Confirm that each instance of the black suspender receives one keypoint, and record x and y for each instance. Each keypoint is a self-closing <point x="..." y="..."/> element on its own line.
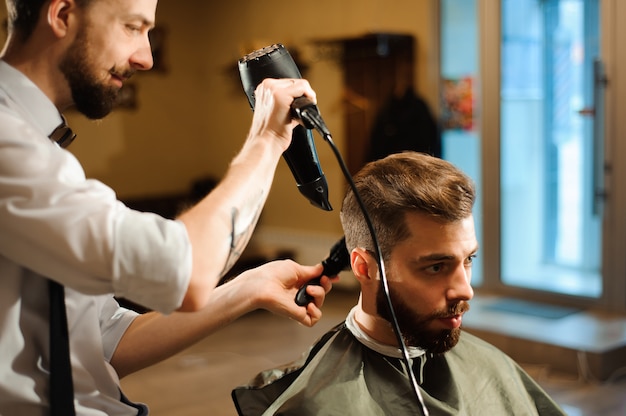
<point x="61" y="385"/>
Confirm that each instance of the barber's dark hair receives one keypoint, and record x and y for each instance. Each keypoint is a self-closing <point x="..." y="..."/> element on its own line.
<point x="24" y="14"/>
<point x="398" y="184"/>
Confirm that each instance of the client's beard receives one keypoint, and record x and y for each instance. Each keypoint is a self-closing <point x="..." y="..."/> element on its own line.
<point x="414" y="327"/>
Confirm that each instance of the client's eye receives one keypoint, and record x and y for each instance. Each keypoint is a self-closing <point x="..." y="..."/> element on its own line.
<point x="435" y="268"/>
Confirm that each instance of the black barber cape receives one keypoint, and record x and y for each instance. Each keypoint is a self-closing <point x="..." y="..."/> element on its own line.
<point x="341" y="376"/>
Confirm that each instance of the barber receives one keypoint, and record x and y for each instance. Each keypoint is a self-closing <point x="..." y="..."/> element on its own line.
<point x="57" y="225"/>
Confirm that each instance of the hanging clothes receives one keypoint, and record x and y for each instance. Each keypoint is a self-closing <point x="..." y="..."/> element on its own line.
<point x="404" y="123"/>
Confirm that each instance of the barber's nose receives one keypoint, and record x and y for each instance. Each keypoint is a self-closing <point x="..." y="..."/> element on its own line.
<point x="142" y="58"/>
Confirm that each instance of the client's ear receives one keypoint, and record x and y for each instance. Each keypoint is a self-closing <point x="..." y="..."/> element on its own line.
<point x="363" y="265"/>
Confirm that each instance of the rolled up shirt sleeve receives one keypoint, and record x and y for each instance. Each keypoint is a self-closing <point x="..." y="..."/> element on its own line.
<point x="151" y="260"/>
<point x="73" y="230"/>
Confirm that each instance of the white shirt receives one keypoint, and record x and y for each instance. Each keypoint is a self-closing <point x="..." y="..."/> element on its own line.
<point x="56" y="224"/>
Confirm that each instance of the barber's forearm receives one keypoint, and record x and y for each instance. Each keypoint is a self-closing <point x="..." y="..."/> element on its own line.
<point x="221" y="225"/>
<point x="153" y="337"/>
<point x="272" y="286"/>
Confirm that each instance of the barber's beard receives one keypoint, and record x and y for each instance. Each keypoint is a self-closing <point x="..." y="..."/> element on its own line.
<point x="415" y="327"/>
<point x="91" y="97"/>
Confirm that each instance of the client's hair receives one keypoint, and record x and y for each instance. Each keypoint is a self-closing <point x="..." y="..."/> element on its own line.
<point x="401" y="183"/>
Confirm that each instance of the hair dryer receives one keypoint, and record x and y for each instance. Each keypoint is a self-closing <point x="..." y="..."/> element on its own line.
<point x="274" y="61"/>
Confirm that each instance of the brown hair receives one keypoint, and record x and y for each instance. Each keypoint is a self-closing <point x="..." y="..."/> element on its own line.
<point x="24" y="14"/>
<point x="401" y="183"/>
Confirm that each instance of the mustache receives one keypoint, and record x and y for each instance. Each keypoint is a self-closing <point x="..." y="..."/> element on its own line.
<point x="124" y="74"/>
<point x="455" y="309"/>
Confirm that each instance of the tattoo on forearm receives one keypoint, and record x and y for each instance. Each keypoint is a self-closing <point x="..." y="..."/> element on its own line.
<point x="242" y="227"/>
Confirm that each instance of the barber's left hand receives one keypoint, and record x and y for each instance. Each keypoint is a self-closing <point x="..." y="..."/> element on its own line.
<point x="274" y="285"/>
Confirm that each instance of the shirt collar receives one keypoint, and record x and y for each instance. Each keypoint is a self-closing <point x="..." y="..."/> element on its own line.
<point x="21" y="95"/>
<point x="388" y="350"/>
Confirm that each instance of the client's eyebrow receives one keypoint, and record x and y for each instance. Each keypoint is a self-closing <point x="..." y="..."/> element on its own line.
<point x="441" y="256"/>
<point x="433" y="257"/>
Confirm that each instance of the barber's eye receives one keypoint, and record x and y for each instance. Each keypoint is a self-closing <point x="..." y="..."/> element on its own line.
<point x="134" y="28"/>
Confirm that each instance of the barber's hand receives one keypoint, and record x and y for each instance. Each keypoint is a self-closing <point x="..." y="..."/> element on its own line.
<point x="272" y="111"/>
<point x="274" y="285"/>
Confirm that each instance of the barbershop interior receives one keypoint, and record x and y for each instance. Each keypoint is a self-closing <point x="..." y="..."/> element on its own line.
<point x="528" y="97"/>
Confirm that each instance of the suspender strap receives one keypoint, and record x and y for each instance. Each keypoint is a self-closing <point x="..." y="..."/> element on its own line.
<point x="61" y="386"/>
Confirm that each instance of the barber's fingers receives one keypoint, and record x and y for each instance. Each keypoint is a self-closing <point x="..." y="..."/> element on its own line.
<point x="318" y="293"/>
<point x="286" y="89"/>
<point x="327" y="282"/>
<point x="275" y="284"/>
<point x="272" y="113"/>
<point x="314" y="314"/>
<point x="310" y="313"/>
